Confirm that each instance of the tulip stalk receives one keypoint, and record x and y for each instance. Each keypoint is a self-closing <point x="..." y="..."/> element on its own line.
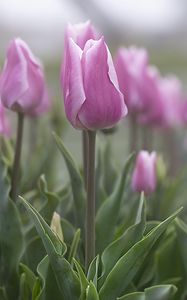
<point x="17" y="156"/>
<point x="90" y="205"/>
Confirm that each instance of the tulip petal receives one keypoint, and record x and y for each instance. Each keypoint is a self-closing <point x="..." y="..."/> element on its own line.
<point x="104" y="104"/>
<point x="73" y="89"/>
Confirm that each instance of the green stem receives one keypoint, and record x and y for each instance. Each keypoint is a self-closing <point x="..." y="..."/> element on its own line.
<point x="84" y="155"/>
<point x="17" y="156"/>
<point x="90" y="206"/>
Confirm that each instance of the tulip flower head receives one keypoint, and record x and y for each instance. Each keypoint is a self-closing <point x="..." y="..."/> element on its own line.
<point x="144" y="174"/>
<point x="22" y="83"/>
<point x="90" y="87"/>
<point x="81" y="33"/>
<point x="130" y="65"/>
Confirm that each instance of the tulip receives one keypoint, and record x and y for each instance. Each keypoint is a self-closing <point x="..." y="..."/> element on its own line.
<point x="92" y="101"/>
<point x="22" y="89"/>
<point x="144" y="175"/>
<point x="152" y="112"/>
<point x="4" y="123"/>
<point x="130" y="65"/>
<point x="22" y="82"/>
<point x="91" y="93"/>
<point x="80" y="33"/>
<point x="164" y="100"/>
<point x="172" y="102"/>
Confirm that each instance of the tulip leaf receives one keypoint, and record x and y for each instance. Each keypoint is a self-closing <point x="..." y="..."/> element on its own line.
<point x="51" y="198"/>
<point x="30" y="277"/>
<point x="49" y="287"/>
<point x="83" y="280"/>
<point x="93" y="270"/>
<point x="74" y="246"/>
<point x="129" y="264"/>
<point x="76" y="182"/>
<point x="109" y="210"/>
<point x="91" y="292"/>
<point x="11" y="237"/>
<point x="23" y="288"/>
<point x="66" y="278"/>
<point x="34" y="252"/>
<point x="120" y="246"/>
<point x="160" y="292"/>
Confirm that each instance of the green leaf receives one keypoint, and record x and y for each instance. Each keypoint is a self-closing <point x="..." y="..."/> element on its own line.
<point x="30" y="277"/>
<point x="160" y="292"/>
<point x="83" y="280"/>
<point x="11" y="237"/>
<point x="91" y="292"/>
<point x="33" y="253"/>
<point x="129" y="264"/>
<point x="49" y="289"/>
<point x="93" y="270"/>
<point x="23" y="289"/>
<point x="65" y="276"/>
<point x="76" y="182"/>
<point x="109" y="210"/>
<point x="51" y="200"/>
<point x="120" y="246"/>
<point x="74" y="246"/>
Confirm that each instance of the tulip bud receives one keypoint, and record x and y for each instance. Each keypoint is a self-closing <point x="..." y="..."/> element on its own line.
<point x="22" y="82"/>
<point x="144" y="174"/>
<point x="130" y="65"/>
<point x="91" y="93"/>
<point x="4" y="123"/>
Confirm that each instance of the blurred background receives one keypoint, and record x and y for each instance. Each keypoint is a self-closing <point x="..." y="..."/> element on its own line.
<point x="158" y="25"/>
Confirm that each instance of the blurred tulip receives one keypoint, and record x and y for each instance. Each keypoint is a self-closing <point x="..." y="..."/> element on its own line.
<point x="130" y="64"/>
<point x="91" y="93"/>
<point x="81" y="33"/>
<point x="144" y="175"/>
<point x="172" y="101"/>
<point x="4" y="123"/>
<point x="22" y="82"/>
<point x="164" y="100"/>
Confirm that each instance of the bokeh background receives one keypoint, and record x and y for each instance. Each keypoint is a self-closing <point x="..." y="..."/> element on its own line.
<point x="158" y="25"/>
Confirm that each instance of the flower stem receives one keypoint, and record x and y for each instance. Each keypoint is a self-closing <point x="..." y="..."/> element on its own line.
<point x="17" y="156"/>
<point x="84" y="155"/>
<point x="90" y="206"/>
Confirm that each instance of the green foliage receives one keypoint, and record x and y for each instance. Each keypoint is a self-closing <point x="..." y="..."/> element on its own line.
<point x="11" y="238"/>
<point x="138" y="256"/>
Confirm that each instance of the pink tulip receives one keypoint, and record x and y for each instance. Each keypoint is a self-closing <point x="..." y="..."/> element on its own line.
<point x="144" y="174"/>
<point x="153" y="110"/>
<point x="164" y="100"/>
<point x="81" y="33"/>
<point x="130" y="65"/>
<point x="22" y="83"/>
<point x="172" y="101"/>
<point x="4" y="123"/>
<point x="91" y="93"/>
